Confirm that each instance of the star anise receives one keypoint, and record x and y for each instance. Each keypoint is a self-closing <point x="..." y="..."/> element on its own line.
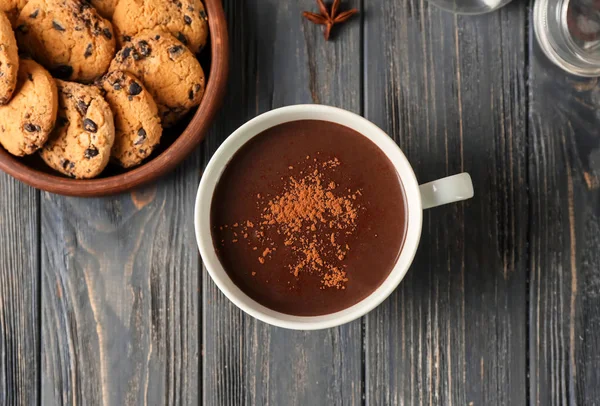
<point x="329" y="18"/>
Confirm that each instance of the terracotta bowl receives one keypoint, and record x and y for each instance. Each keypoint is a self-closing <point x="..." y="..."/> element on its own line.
<point x="176" y="143"/>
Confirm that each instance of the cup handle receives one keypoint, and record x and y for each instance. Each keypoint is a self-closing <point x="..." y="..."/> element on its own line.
<point x="446" y="190"/>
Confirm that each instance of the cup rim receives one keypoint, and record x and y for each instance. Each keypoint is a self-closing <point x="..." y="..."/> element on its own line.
<point x="225" y="153"/>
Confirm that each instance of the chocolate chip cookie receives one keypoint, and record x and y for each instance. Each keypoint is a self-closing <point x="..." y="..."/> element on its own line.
<point x="185" y="19"/>
<point x="80" y="144"/>
<point x="66" y="36"/>
<point x="169" y="71"/>
<point x="12" y="8"/>
<point x="9" y="60"/>
<point x="137" y="125"/>
<point x="27" y="120"/>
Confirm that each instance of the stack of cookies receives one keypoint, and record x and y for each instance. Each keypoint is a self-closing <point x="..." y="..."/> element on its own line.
<point x="83" y="91"/>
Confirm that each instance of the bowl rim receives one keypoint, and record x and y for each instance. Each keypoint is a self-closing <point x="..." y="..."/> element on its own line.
<point x="178" y="151"/>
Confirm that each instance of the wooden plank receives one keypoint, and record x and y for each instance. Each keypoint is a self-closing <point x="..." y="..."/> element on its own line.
<point x="564" y="292"/>
<point x="120" y="296"/>
<point x="19" y="292"/>
<point x="451" y="91"/>
<point x="277" y="59"/>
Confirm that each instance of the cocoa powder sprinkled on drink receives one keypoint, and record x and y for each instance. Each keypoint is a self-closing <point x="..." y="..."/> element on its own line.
<point x="309" y="208"/>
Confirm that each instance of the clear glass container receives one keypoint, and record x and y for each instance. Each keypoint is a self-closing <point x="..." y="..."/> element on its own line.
<point x="569" y="34"/>
<point x="470" y="6"/>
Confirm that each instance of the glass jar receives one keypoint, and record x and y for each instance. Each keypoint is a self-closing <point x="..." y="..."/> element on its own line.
<point x="569" y="34"/>
<point x="470" y="6"/>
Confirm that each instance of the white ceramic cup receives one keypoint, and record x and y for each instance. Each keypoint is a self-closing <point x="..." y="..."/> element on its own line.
<point x="442" y="191"/>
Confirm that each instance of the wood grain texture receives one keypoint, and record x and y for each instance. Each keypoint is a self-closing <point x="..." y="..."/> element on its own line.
<point x="120" y="296"/>
<point x="19" y="291"/>
<point x="451" y="91"/>
<point x="501" y="305"/>
<point x="564" y="292"/>
<point x="277" y="59"/>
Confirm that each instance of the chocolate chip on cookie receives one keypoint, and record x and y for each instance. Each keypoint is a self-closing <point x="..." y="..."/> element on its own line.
<point x="175" y="51"/>
<point x="91" y="152"/>
<point x="89" y="125"/>
<point x="134" y="89"/>
<point x="32" y="128"/>
<point x="56" y="25"/>
<point x="144" y="48"/>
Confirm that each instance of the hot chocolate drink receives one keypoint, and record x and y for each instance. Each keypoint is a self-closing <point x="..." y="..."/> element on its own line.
<point x="308" y="218"/>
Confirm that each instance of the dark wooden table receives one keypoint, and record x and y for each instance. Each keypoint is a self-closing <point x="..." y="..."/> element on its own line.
<point x="105" y="302"/>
